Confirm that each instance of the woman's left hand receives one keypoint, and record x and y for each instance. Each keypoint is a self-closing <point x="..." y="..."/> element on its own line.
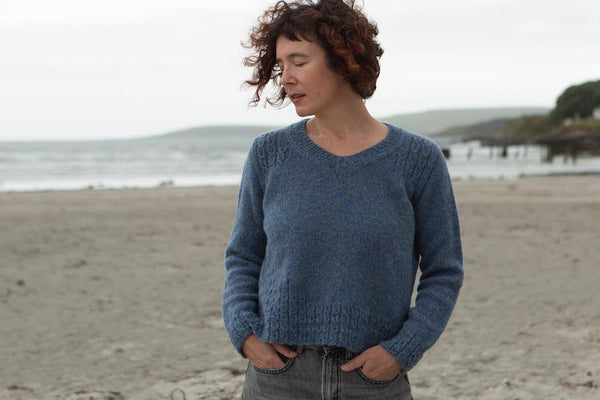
<point x="376" y="363"/>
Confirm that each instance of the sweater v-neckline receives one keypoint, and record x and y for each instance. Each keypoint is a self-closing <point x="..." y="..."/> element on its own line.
<point x="336" y="162"/>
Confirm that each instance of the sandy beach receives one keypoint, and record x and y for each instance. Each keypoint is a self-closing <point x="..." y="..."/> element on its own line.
<point x="115" y="294"/>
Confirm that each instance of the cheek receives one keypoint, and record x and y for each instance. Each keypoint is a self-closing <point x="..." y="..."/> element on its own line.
<point x="326" y="88"/>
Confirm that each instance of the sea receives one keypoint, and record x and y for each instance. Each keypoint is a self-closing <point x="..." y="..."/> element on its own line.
<point x="218" y="160"/>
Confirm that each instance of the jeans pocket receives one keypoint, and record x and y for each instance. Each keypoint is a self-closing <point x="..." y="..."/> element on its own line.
<point x="376" y="381"/>
<point x="276" y="371"/>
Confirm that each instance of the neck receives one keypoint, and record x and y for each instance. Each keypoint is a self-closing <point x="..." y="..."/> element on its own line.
<point x="347" y="120"/>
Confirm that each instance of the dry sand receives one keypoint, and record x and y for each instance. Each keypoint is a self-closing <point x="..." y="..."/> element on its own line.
<point x="116" y="294"/>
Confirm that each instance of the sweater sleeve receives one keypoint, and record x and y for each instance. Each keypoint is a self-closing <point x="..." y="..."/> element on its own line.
<point x="244" y="255"/>
<point x="437" y="239"/>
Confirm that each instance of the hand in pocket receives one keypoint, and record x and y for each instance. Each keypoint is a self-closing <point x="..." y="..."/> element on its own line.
<point x="265" y="355"/>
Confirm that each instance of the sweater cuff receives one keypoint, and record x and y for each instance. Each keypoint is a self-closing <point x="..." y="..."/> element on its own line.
<point x="407" y="347"/>
<point x="239" y="328"/>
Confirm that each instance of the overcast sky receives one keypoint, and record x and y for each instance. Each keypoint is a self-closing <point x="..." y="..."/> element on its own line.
<point x="73" y="69"/>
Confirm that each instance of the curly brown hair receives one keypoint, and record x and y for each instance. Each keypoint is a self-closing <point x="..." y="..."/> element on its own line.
<point x="345" y="33"/>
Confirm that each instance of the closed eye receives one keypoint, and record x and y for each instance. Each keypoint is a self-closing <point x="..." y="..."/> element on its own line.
<point x="279" y="70"/>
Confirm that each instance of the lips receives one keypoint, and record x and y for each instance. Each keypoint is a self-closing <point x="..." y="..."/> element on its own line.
<point x="296" y="96"/>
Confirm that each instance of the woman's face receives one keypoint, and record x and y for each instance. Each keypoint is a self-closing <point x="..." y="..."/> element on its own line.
<point x="307" y="79"/>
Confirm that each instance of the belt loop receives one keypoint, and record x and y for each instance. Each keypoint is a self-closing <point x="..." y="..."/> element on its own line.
<point x="299" y="349"/>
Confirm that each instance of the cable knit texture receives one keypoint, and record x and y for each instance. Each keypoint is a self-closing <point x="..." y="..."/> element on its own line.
<point x="325" y="248"/>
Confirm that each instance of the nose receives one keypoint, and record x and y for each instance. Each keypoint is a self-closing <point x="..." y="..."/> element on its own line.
<point x="287" y="77"/>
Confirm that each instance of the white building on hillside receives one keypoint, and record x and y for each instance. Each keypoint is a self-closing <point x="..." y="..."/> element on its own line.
<point x="596" y="113"/>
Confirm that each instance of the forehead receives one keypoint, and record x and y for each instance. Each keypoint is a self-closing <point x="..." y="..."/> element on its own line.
<point x="286" y="48"/>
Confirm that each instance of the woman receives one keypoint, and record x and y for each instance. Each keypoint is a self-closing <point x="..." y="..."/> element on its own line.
<point x="335" y="214"/>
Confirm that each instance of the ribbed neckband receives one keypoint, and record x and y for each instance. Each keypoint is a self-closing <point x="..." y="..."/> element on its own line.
<point x="305" y="144"/>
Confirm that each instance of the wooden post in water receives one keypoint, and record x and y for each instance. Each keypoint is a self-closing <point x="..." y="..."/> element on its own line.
<point x="549" y="154"/>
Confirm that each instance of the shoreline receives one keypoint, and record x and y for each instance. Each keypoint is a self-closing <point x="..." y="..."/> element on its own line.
<point x="170" y="185"/>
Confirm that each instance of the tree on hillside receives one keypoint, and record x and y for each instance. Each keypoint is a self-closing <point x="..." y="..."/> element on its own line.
<point x="578" y="100"/>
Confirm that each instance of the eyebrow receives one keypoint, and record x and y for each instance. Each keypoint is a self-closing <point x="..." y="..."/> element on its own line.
<point x="293" y="55"/>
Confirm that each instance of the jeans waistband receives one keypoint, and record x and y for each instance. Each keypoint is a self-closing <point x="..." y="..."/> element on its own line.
<point x="323" y="349"/>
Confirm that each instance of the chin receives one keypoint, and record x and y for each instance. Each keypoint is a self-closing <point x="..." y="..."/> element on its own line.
<point x="303" y="113"/>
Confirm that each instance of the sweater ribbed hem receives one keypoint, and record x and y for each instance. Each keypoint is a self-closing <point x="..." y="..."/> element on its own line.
<point x="335" y="324"/>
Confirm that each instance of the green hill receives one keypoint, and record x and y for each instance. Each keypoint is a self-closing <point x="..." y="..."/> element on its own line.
<point x="431" y="123"/>
<point x="482" y="130"/>
<point x="427" y="123"/>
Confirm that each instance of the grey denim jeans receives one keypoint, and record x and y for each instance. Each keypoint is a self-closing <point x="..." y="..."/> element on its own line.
<point x="315" y="374"/>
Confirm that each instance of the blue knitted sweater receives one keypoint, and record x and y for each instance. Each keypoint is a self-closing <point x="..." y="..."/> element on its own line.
<point x="325" y="248"/>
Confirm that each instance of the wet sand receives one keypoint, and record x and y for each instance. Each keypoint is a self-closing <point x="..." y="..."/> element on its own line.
<point x="116" y="294"/>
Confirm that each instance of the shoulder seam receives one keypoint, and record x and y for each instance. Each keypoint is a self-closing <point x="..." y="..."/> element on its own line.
<point x="256" y="147"/>
<point x="272" y="150"/>
<point x="421" y="151"/>
<point x="427" y="170"/>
